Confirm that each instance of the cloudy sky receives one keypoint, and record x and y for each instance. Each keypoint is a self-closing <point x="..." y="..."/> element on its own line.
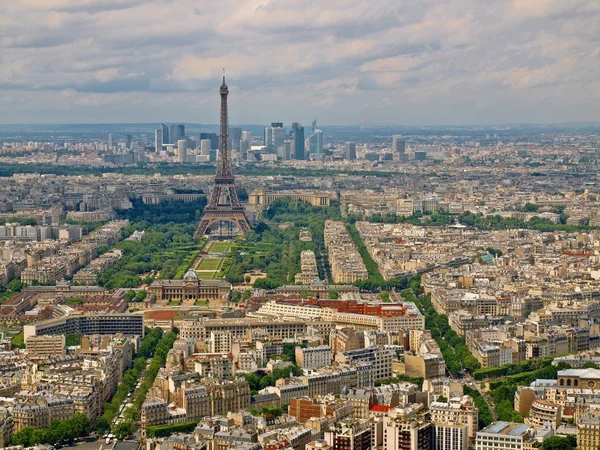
<point x="339" y="61"/>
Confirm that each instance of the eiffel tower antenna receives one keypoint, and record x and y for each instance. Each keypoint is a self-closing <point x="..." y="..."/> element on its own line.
<point x="224" y="182"/>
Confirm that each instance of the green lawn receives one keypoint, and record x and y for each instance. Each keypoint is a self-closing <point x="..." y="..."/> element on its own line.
<point x="207" y="275"/>
<point x="18" y="341"/>
<point x="210" y="264"/>
<point x="219" y="247"/>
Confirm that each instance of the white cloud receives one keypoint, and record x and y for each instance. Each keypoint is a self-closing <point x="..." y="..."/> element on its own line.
<point x="409" y="61"/>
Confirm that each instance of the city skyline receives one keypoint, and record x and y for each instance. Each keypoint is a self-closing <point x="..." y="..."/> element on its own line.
<point x="405" y="64"/>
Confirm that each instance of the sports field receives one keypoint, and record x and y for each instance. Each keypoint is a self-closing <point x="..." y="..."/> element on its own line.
<point x="219" y="247"/>
<point x="210" y="264"/>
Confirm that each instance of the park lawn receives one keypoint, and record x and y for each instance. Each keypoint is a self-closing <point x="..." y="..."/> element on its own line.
<point x="219" y="247"/>
<point x="210" y="264"/>
<point x="207" y="275"/>
<point x="18" y="340"/>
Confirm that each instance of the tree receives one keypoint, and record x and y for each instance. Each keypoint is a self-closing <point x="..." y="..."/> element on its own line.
<point x="15" y="285"/>
<point x="589" y="365"/>
<point x="123" y="429"/>
<point x="102" y="424"/>
<point x="80" y="424"/>
<point x="560" y="443"/>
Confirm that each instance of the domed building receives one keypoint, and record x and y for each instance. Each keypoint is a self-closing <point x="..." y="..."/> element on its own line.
<point x="190" y="289"/>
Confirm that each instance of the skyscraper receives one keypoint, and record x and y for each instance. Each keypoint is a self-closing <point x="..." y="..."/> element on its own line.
<point x="315" y="142"/>
<point x="158" y="140"/>
<point x="398" y="144"/>
<point x="314" y="126"/>
<point x="111" y="140"/>
<point x="350" y="151"/>
<point x="181" y="150"/>
<point x="235" y="136"/>
<point x="299" y="142"/>
<point x="287" y="150"/>
<point x="165" y="133"/>
<point x="177" y="132"/>
<point x="279" y="135"/>
<point x="268" y="137"/>
<point x="214" y="139"/>
<point x="128" y="141"/>
<point x="205" y="146"/>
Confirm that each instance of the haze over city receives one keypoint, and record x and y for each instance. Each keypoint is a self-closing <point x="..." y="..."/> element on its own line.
<point x="343" y="62"/>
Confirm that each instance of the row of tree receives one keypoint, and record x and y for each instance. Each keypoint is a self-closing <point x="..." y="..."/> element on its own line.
<point x="129" y="380"/>
<point x="58" y="431"/>
<point x="126" y="427"/>
<point x="479" y="221"/>
<point x="162" y="251"/>
<point x="453" y="347"/>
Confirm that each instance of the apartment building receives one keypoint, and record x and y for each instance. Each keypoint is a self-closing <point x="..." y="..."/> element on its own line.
<point x="127" y="324"/>
<point x="308" y="268"/>
<point x="506" y="436"/>
<point x="380" y="357"/>
<point x="45" y="345"/>
<point x="199" y="330"/>
<point x="313" y="357"/>
<point x="588" y="433"/>
<point x="449" y="436"/>
<point x="352" y="434"/>
<point x="457" y="410"/>
<point x="345" y="261"/>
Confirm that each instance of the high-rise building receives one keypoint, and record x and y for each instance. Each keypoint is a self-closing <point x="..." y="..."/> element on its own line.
<point x="181" y="150"/>
<point x="314" y="126"/>
<point x="214" y="139"/>
<point x="274" y="135"/>
<point x="165" y="133"/>
<point x="205" y="146"/>
<point x="268" y="136"/>
<point x="173" y="135"/>
<point x="298" y="142"/>
<point x="177" y="132"/>
<point x="111" y="140"/>
<point x="128" y="141"/>
<point x="315" y="142"/>
<point x="158" y="140"/>
<point x="247" y="136"/>
<point x="350" y="151"/>
<point x="278" y="136"/>
<point x="287" y="150"/>
<point x="235" y="136"/>
<point x="398" y="144"/>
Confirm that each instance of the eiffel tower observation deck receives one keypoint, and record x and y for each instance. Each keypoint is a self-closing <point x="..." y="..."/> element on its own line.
<point x="224" y="204"/>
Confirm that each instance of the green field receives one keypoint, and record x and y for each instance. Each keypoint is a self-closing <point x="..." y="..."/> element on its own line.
<point x="219" y="247"/>
<point x="207" y="275"/>
<point x="210" y="264"/>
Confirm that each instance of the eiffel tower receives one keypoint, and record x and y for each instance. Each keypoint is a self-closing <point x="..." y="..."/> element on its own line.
<point x="224" y="204"/>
